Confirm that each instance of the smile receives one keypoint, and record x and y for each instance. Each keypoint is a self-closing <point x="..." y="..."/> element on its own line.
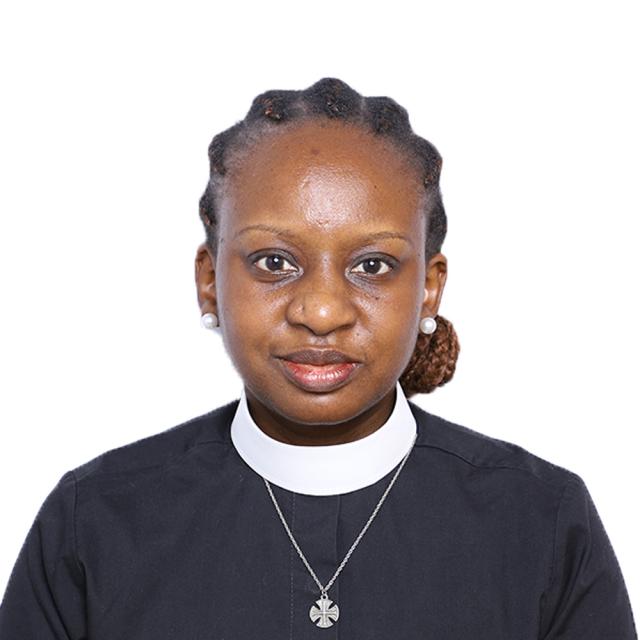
<point x="312" y="377"/>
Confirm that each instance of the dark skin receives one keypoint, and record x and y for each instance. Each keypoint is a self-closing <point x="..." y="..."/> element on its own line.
<point x="320" y="190"/>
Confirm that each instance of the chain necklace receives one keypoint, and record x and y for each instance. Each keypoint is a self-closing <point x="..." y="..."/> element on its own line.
<point x="324" y="612"/>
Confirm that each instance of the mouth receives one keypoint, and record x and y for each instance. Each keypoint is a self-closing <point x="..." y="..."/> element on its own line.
<point x="318" y="371"/>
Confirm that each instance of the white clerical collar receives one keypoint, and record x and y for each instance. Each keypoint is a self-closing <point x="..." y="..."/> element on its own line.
<point x="325" y="469"/>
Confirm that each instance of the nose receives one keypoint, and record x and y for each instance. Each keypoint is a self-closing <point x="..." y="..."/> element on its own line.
<point x="322" y="302"/>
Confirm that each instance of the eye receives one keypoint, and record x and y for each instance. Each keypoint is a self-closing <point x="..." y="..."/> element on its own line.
<point x="273" y="263"/>
<point x="373" y="266"/>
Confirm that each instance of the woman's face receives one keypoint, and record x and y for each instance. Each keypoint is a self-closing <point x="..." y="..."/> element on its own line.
<point x="321" y="241"/>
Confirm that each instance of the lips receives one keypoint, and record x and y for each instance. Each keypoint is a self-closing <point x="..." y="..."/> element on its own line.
<point x="319" y="370"/>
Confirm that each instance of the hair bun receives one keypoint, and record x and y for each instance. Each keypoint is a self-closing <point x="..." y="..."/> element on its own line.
<point x="433" y="361"/>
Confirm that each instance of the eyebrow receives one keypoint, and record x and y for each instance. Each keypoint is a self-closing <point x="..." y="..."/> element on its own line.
<point x="378" y="235"/>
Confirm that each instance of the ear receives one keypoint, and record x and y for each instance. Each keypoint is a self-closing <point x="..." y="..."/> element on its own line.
<point x="206" y="280"/>
<point x="435" y="278"/>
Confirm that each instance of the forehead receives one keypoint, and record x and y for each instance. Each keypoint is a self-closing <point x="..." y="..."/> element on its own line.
<point x="324" y="174"/>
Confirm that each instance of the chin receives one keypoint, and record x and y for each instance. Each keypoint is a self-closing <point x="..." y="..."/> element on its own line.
<point x="329" y="408"/>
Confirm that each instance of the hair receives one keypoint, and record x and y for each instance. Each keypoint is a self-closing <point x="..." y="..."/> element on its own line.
<point x="434" y="357"/>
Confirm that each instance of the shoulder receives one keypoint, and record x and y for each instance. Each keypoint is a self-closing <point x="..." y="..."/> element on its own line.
<point x="465" y="447"/>
<point x="163" y="448"/>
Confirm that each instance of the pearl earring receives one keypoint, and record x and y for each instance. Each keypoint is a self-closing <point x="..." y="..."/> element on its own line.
<point x="428" y="325"/>
<point x="209" y="320"/>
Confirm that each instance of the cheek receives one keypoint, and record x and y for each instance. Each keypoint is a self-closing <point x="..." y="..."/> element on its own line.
<point x="394" y="322"/>
<point x="398" y="303"/>
<point x="394" y="316"/>
<point x="250" y="318"/>
<point x="389" y="326"/>
<point x="247" y="318"/>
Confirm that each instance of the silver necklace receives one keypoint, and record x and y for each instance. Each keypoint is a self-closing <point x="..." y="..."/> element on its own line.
<point x="325" y="612"/>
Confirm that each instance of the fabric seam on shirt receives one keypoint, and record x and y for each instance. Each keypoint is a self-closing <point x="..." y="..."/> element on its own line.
<point x="151" y="436"/>
<point x="76" y="556"/>
<point x="160" y="466"/>
<point x="497" y="466"/>
<point x="564" y="496"/>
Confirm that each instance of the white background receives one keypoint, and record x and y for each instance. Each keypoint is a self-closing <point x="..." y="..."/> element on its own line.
<point x="107" y="112"/>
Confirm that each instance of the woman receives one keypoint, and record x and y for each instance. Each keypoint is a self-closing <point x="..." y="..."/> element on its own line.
<point x="322" y="503"/>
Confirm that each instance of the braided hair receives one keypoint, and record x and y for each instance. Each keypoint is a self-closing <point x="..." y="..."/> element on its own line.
<point x="434" y="358"/>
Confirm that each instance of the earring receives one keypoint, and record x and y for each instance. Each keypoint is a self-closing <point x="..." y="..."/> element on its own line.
<point x="428" y="325"/>
<point x="209" y="320"/>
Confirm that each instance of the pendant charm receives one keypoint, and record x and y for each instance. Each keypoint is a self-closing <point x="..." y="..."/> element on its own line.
<point x="325" y="613"/>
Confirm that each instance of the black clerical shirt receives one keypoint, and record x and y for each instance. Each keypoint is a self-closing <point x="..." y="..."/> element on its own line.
<point x="176" y="537"/>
